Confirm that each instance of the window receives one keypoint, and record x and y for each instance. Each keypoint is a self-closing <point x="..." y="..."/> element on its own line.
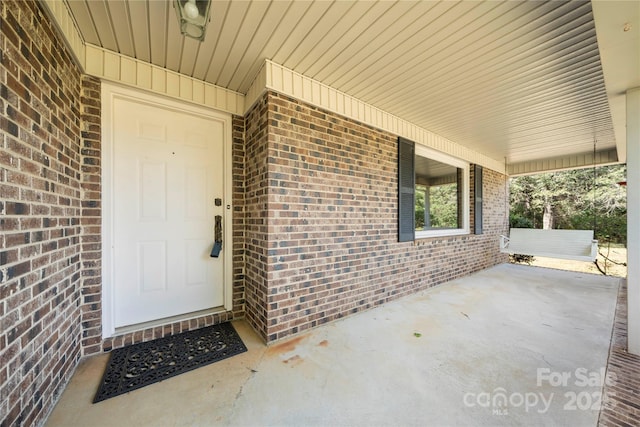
<point x="434" y="187"/>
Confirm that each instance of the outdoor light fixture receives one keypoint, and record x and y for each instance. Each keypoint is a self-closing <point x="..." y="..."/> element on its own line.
<point x="193" y="17"/>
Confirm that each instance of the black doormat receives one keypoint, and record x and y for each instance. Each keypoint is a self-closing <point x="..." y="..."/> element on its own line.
<point x="139" y="365"/>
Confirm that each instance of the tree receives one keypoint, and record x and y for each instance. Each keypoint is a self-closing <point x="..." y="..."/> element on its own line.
<point x="573" y="199"/>
<point x="443" y="206"/>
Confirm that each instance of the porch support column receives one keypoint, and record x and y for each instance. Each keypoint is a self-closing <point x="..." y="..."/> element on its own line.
<point x="633" y="219"/>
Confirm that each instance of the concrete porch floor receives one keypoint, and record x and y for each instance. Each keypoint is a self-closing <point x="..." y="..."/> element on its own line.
<point x="511" y="345"/>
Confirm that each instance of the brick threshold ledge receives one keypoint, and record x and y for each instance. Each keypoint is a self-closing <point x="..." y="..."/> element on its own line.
<point x="621" y="396"/>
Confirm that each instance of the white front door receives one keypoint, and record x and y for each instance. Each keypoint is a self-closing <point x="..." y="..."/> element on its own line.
<point x="167" y="171"/>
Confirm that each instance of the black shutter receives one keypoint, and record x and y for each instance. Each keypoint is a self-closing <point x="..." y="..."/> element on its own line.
<point x="477" y="207"/>
<point x="406" y="191"/>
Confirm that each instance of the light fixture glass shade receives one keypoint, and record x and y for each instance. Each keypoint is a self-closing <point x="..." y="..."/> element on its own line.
<point x="193" y="17"/>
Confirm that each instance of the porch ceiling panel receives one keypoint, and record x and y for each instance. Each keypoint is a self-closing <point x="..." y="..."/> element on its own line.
<point x="519" y="81"/>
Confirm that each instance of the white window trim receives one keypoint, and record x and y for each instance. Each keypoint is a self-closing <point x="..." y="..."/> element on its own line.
<point x="423" y="151"/>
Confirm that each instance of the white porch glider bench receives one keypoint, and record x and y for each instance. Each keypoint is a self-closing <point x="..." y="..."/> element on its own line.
<point x="576" y="245"/>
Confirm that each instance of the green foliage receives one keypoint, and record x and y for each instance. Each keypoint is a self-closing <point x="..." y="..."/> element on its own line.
<point x="443" y="206"/>
<point x="518" y="221"/>
<point x="419" y="207"/>
<point x="573" y="200"/>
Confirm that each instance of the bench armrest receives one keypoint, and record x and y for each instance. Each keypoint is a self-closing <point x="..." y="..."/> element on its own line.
<point x="504" y="242"/>
<point x="594" y="249"/>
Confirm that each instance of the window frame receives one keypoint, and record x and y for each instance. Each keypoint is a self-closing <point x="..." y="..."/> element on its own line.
<point x="423" y="151"/>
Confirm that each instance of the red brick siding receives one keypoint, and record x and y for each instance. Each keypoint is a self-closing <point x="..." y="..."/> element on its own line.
<point x="256" y="206"/>
<point x="91" y="249"/>
<point x="332" y="221"/>
<point x="40" y="214"/>
<point x="238" y="216"/>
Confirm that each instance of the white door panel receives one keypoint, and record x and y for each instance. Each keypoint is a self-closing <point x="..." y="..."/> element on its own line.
<point x="168" y="169"/>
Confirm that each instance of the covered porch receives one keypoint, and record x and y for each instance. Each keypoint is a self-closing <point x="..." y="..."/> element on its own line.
<point x="314" y="115"/>
<point x="511" y="345"/>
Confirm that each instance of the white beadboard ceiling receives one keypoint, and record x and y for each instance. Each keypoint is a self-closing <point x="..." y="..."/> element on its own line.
<point x="515" y="81"/>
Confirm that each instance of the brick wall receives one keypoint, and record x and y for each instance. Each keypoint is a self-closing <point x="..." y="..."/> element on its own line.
<point x="40" y="213"/>
<point x="331" y="221"/>
<point x="90" y="240"/>
<point x="238" y="216"/>
<point x="256" y="233"/>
